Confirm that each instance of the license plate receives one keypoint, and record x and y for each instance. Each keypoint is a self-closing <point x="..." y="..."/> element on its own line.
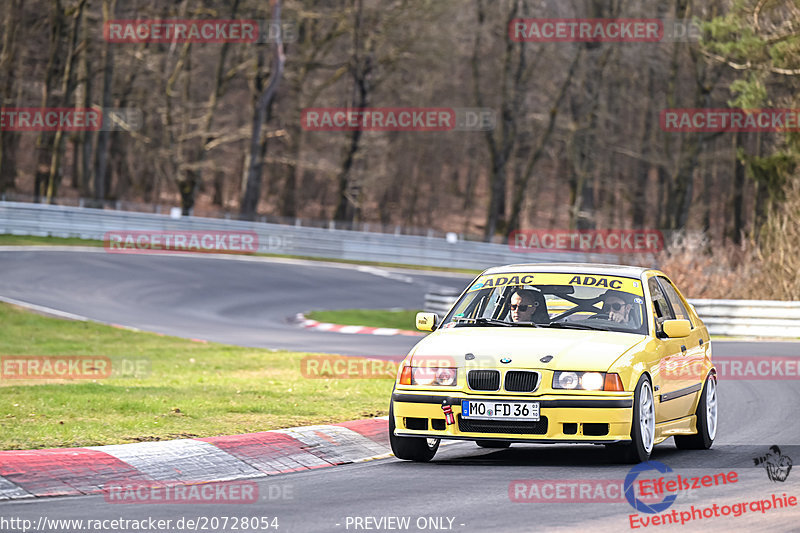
<point x="500" y="410"/>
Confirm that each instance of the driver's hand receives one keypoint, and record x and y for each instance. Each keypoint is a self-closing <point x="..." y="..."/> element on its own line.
<point x="617" y="316"/>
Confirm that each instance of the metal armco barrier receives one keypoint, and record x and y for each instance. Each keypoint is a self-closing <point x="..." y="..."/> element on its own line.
<point x="61" y="221"/>
<point x="761" y="318"/>
<point x="758" y="318"/>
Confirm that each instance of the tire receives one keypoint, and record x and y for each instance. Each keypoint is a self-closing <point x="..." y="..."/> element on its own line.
<point x="420" y="449"/>
<point x="707" y="419"/>
<point x="642" y="426"/>
<point x="492" y="444"/>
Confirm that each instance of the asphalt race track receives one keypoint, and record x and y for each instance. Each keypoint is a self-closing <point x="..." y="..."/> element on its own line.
<point x="234" y="300"/>
<point x="465" y="488"/>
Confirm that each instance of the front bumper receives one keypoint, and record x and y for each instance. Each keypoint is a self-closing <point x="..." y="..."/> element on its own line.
<point x="563" y="418"/>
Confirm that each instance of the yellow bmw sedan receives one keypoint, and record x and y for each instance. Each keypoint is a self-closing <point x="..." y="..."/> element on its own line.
<point x="559" y="352"/>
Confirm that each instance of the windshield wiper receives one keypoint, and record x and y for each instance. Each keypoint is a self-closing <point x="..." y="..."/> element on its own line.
<point x="482" y="321"/>
<point x="492" y="321"/>
<point x="573" y="325"/>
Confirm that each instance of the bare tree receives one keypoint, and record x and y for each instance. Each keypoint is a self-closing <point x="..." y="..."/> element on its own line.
<point x="266" y="94"/>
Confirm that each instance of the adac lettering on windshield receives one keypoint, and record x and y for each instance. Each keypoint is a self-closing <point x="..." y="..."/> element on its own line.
<point x="630" y="285"/>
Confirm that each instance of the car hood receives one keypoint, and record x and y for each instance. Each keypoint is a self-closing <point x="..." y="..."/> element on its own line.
<point x="570" y="349"/>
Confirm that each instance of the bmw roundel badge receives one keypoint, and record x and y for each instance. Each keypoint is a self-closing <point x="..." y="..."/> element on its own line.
<point x="505" y="360"/>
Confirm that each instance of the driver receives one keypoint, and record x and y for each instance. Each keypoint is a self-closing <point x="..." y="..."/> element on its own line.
<point x="617" y="305"/>
<point x="524" y="304"/>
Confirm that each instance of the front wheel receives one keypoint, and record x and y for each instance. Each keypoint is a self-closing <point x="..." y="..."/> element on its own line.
<point x="706" y="420"/>
<point x="418" y="449"/>
<point x="643" y="426"/>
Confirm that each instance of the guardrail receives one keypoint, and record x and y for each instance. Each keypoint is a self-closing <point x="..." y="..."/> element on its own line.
<point x="87" y="223"/>
<point x="757" y="318"/>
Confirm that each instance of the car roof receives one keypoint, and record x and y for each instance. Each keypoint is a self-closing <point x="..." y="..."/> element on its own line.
<point x="626" y="271"/>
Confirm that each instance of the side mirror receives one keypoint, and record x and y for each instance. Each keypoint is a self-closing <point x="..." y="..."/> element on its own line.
<point x="427" y="321"/>
<point x="677" y="328"/>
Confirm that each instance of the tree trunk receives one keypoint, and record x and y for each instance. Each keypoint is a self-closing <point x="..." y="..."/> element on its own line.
<point x="67" y="89"/>
<point x="9" y="140"/>
<point x="349" y="192"/>
<point x="252" y="186"/>
<point x="101" y="161"/>
<point x="736" y="229"/>
<point x="522" y="185"/>
<point x="44" y="142"/>
<point x="85" y="138"/>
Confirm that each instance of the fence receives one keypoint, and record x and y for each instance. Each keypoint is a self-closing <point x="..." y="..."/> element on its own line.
<point x="87" y="223"/>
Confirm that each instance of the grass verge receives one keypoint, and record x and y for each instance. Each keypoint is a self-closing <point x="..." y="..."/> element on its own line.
<point x="31" y="240"/>
<point x="367" y="317"/>
<point x="179" y="389"/>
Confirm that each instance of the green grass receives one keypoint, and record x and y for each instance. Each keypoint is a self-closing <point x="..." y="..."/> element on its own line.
<point x="29" y="240"/>
<point x="24" y="240"/>
<point x="368" y="317"/>
<point x="186" y="389"/>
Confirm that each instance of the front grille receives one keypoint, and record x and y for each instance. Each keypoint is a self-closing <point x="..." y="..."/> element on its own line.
<point x="519" y="381"/>
<point x="503" y="426"/>
<point x="484" y="379"/>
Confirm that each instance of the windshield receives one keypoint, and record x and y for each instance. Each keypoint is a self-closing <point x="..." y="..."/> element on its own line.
<point x="569" y="301"/>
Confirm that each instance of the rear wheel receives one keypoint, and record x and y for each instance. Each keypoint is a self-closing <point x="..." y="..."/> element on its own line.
<point x="706" y="420"/>
<point x="418" y="449"/>
<point x="643" y="426"/>
<point x="492" y="444"/>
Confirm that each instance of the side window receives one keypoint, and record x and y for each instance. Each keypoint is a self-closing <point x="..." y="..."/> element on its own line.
<point x="661" y="308"/>
<point x="675" y="300"/>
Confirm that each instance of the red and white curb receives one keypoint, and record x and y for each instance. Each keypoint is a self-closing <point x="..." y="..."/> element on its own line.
<point x="363" y="330"/>
<point x="74" y="471"/>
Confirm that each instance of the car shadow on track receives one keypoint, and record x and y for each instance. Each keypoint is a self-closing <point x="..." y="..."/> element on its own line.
<point x="718" y="457"/>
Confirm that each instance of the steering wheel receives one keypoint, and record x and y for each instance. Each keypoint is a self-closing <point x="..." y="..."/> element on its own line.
<point x="600" y="316"/>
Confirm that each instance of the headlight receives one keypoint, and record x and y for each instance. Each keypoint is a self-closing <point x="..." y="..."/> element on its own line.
<point x="565" y="380"/>
<point x="586" y="381"/>
<point x="420" y="375"/>
<point x="592" y="381"/>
